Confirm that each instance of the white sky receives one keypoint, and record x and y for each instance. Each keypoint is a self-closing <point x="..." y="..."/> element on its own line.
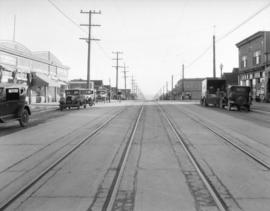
<point x="155" y="36"/>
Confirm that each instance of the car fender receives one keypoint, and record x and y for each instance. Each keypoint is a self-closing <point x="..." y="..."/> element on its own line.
<point x="28" y="109"/>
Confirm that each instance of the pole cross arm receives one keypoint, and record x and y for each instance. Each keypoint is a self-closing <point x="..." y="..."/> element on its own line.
<point x="95" y="39"/>
<point x="90" y="25"/>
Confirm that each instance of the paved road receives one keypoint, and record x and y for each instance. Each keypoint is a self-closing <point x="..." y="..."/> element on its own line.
<point x="158" y="175"/>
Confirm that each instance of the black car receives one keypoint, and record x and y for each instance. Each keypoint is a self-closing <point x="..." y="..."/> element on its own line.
<point x="238" y="96"/>
<point x="74" y="98"/>
<point x="13" y="105"/>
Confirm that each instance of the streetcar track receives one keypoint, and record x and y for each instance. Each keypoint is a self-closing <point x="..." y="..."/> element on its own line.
<point x="50" y="144"/>
<point x="112" y="193"/>
<point x="210" y="187"/>
<point x="227" y="140"/>
<point x="7" y="202"/>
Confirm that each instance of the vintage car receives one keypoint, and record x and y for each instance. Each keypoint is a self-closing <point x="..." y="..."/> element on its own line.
<point x="101" y="95"/>
<point x="13" y="104"/>
<point x="89" y="95"/>
<point x="237" y="96"/>
<point x="74" y="98"/>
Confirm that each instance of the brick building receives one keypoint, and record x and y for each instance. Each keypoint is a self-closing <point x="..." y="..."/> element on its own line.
<point x="191" y="86"/>
<point x="254" y="64"/>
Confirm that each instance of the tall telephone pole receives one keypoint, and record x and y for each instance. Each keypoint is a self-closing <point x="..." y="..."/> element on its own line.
<point x="89" y="39"/>
<point x="214" y="54"/>
<point x="172" y="88"/>
<point x="117" y="67"/>
<point x="172" y="82"/>
<point x="183" y="77"/>
<point x="125" y="77"/>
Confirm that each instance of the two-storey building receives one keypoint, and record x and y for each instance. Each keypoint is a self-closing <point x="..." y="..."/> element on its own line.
<point x="254" y="62"/>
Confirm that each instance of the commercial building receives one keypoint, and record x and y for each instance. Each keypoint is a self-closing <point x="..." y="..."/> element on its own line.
<point x="254" y="64"/>
<point x="188" y="86"/>
<point x="45" y="75"/>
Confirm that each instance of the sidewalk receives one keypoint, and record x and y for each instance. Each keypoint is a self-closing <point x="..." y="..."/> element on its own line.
<point x="41" y="107"/>
<point x="260" y="106"/>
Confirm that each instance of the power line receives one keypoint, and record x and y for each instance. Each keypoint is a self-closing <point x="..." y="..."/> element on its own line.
<point x="244" y="22"/>
<point x="77" y="25"/>
<point x="66" y="16"/>
<point x="228" y="33"/>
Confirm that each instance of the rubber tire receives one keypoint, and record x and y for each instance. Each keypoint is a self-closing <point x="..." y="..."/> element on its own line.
<point x="229" y="107"/>
<point x="24" y="118"/>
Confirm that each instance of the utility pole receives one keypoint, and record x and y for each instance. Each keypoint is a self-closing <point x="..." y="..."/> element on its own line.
<point x="183" y="78"/>
<point x="110" y="90"/>
<point x="214" y="54"/>
<point x="89" y="39"/>
<point x="172" y="82"/>
<point x="172" y="88"/>
<point x="117" y="67"/>
<point x="14" y="28"/>
<point x="125" y="77"/>
<point x="163" y="93"/>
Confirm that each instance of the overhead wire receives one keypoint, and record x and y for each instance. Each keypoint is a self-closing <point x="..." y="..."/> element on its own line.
<point x="229" y="32"/>
<point x="77" y="25"/>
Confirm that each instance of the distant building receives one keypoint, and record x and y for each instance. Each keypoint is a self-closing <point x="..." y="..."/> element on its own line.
<point x="81" y="83"/>
<point x="231" y="78"/>
<point x="191" y="86"/>
<point x="254" y="64"/>
<point x="42" y="71"/>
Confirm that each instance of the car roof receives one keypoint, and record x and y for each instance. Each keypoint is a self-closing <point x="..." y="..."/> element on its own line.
<point x="10" y="85"/>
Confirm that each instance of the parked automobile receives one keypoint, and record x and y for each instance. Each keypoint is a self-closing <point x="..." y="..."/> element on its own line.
<point x="74" y="98"/>
<point x="89" y="95"/>
<point x="237" y="96"/>
<point x="186" y="96"/>
<point x="13" y="104"/>
<point x="101" y="95"/>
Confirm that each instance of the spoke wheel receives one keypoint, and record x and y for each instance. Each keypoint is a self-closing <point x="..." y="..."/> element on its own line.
<point x="24" y="118"/>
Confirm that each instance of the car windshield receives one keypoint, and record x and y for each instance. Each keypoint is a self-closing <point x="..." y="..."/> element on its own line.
<point x="87" y="92"/>
<point x="72" y="92"/>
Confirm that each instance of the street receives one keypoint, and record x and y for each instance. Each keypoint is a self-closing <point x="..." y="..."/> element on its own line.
<point x="129" y="156"/>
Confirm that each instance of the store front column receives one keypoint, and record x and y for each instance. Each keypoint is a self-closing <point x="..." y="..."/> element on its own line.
<point x="46" y="93"/>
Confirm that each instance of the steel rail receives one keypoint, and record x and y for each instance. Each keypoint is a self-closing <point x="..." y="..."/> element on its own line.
<point x="242" y="149"/>
<point x="213" y="192"/>
<point x="6" y="203"/>
<point x="110" y="199"/>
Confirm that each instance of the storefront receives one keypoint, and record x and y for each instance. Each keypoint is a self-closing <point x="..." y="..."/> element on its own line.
<point x="41" y="71"/>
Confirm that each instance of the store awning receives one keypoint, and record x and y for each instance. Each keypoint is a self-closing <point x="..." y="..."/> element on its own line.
<point x="43" y="80"/>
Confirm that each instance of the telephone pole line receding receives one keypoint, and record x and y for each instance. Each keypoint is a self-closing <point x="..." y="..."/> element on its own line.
<point x="89" y="39"/>
<point x="125" y="77"/>
<point x="183" y="77"/>
<point x="117" y="67"/>
<point x="214" y="54"/>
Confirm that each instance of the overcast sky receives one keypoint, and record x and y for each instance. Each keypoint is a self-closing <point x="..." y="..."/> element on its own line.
<point x="155" y="36"/>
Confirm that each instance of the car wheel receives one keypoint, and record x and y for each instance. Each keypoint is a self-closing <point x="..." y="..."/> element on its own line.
<point x="24" y="118"/>
<point x="229" y="106"/>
